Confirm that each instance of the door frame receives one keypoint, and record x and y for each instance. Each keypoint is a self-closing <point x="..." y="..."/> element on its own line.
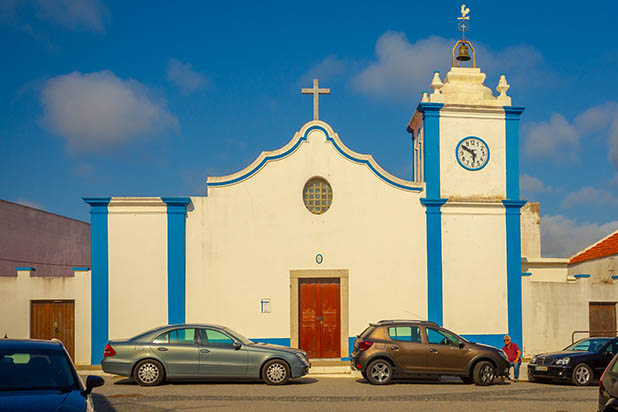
<point x="344" y="316"/>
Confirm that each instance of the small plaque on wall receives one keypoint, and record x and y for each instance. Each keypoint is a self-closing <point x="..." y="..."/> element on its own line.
<point x="265" y="305"/>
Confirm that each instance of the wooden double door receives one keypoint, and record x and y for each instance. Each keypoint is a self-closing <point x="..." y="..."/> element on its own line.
<point x="54" y="319"/>
<point x="320" y="317"/>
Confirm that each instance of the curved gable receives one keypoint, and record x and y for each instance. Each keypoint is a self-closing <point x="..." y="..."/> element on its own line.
<point x="301" y="137"/>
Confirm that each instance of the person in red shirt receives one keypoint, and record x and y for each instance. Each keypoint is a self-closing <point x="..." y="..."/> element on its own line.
<point x="513" y="353"/>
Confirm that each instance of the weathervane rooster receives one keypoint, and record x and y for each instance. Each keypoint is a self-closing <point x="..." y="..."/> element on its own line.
<point x="464" y="13"/>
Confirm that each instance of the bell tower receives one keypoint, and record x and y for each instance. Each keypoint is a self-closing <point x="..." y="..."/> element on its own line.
<point x="466" y="151"/>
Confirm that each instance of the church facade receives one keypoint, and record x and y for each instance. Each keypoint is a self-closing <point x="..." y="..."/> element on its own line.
<point x="312" y="242"/>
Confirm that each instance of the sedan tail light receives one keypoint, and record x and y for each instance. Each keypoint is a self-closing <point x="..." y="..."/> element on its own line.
<point x="109" y="351"/>
<point x="364" y="345"/>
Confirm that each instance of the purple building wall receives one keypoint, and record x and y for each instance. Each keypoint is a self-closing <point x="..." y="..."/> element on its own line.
<point x="50" y="243"/>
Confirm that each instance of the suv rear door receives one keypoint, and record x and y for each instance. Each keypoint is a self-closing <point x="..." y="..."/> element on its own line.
<point x="405" y="346"/>
<point x="444" y="353"/>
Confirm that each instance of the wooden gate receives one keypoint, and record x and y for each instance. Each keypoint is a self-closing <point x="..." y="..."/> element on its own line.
<point x="320" y="318"/>
<point x="602" y="317"/>
<point x="54" y="319"/>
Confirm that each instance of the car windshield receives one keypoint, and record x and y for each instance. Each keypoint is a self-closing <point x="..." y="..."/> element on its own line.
<point x="588" y="345"/>
<point x="239" y="337"/>
<point x="36" y="370"/>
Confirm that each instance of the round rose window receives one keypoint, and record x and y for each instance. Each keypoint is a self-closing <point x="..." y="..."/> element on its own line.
<point x="318" y="195"/>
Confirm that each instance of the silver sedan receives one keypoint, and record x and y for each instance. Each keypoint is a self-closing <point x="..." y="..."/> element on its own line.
<point x="195" y="351"/>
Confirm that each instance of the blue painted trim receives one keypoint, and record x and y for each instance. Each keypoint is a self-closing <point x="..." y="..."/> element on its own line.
<point x="273" y="341"/>
<point x="434" y="259"/>
<point x="319" y="259"/>
<point x="293" y="148"/>
<point x="99" y="283"/>
<point x="526" y="274"/>
<point x="614" y="277"/>
<point x="80" y="269"/>
<point x="431" y="146"/>
<point x="463" y="165"/>
<point x="31" y="269"/>
<point x="513" y="267"/>
<point x="511" y="116"/>
<point x="582" y="276"/>
<point x="176" y="258"/>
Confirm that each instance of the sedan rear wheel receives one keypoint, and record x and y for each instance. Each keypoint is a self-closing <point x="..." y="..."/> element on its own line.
<point x="276" y="372"/>
<point x="379" y="372"/>
<point x="582" y="375"/>
<point x="148" y="372"/>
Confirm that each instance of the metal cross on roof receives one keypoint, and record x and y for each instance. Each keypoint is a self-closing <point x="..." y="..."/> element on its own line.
<point x="316" y="92"/>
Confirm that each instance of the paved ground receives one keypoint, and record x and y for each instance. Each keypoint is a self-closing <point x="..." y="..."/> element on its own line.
<point x="342" y="394"/>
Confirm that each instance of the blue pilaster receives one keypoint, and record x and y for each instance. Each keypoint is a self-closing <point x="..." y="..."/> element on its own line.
<point x="513" y="267"/>
<point x="99" y="283"/>
<point x="431" y="147"/>
<point x="434" y="259"/>
<point x="512" y="115"/>
<point x="176" y="257"/>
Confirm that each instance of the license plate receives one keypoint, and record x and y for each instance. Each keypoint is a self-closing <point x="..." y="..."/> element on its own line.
<point x="541" y="368"/>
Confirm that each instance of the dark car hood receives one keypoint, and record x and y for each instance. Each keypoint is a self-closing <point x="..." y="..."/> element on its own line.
<point x="270" y="346"/>
<point x="564" y="354"/>
<point x="42" y="401"/>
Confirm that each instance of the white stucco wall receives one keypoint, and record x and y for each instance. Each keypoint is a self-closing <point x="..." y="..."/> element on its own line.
<point x="600" y="270"/>
<point x="243" y="240"/>
<point x="16" y="293"/>
<point x="488" y="182"/>
<point x="474" y="267"/>
<point x="555" y="304"/>
<point x="137" y="265"/>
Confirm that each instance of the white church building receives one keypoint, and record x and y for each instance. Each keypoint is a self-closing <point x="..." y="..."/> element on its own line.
<point x="311" y="242"/>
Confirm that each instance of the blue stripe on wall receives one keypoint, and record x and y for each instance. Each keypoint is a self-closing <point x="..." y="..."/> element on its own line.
<point x="434" y="259"/>
<point x="273" y="341"/>
<point x="99" y="284"/>
<point x="493" y="340"/>
<point x="512" y="115"/>
<point x="176" y="256"/>
<point x="431" y="147"/>
<point x="513" y="267"/>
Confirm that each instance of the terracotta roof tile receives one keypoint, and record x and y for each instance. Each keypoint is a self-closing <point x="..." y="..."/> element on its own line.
<point x="603" y="248"/>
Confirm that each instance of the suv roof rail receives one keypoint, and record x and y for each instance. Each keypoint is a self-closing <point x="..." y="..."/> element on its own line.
<point x="424" y="322"/>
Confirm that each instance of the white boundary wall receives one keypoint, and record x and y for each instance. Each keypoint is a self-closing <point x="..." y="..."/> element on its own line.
<point x="16" y="292"/>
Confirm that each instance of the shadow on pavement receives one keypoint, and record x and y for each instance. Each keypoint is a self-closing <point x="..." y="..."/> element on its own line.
<point x="101" y="404"/>
<point x="291" y="382"/>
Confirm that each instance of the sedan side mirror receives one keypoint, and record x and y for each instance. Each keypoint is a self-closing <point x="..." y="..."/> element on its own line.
<point x="93" y="381"/>
<point x="237" y="345"/>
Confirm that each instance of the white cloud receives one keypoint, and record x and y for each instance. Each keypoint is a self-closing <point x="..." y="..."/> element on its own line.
<point x="94" y="110"/>
<point x="556" y="137"/>
<point x="328" y="68"/>
<point x="563" y="237"/>
<point x="589" y="194"/>
<point x="30" y="203"/>
<point x="530" y="185"/>
<point x="184" y="77"/>
<point x="70" y="14"/>
<point x="402" y="69"/>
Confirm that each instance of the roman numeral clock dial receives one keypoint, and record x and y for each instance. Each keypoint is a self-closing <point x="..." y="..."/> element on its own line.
<point x="472" y="153"/>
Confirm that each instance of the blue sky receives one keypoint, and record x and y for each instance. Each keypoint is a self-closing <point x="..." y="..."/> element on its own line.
<point x="190" y="89"/>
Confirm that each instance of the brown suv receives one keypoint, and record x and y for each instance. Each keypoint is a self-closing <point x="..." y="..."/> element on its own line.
<point x="411" y="347"/>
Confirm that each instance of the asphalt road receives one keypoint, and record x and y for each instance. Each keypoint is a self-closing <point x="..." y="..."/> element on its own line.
<point x="342" y="394"/>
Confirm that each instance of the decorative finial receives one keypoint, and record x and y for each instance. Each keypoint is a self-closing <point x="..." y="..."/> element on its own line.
<point x="436" y="83"/>
<point x="503" y="86"/>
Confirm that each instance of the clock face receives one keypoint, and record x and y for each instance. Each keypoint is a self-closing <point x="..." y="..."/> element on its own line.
<point x="472" y="153"/>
